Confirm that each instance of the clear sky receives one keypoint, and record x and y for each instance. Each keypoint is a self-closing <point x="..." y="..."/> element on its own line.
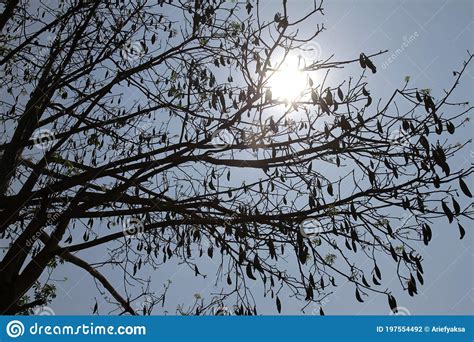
<point x="432" y="38"/>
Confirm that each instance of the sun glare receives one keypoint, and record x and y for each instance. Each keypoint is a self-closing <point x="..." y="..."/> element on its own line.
<point x="288" y="82"/>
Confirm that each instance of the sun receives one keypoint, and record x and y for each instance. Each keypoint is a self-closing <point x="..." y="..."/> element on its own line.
<point x="288" y="82"/>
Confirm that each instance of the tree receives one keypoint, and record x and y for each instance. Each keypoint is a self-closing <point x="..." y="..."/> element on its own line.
<point x="149" y="129"/>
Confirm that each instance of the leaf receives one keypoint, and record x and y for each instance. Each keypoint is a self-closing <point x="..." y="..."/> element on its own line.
<point x="406" y="125"/>
<point x="362" y="61"/>
<point x="345" y="125"/>
<point x="278" y="304"/>
<point x="418" y="96"/>
<point x="364" y="281"/>
<point x="358" y="297"/>
<point x="241" y="255"/>
<point x="392" y="302"/>
<point x="450" y="127"/>
<point x="464" y="188"/>
<point x="370" y="65"/>
<point x="424" y="143"/>
<point x="328" y="99"/>
<point x="324" y="106"/>
<point x="229" y="281"/>
<point x="211" y="185"/>
<point x="210" y="252"/>
<point x="268" y="95"/>
<point x="222" y="99"/>
<point x="426" y="234"/>
<point x="347" y="245"/>
<point x="418" y="264"/>
<point x="420" y="277"/>
<point x="326" y="131"/>
<point x="248" y="270"/>
<point x="394" y="254"/>
<point x="321" y="312"/>
<point x="340" y="94"/>
<point x="447" y="211"/>
<point x="309" y="293"/>
<point x="365" y="92"/>
<point x="462" y="232"/>
<point x="421" y="205"/>
<point x="377" y="271"/>
<point x="379" y="127"/>
<point x="311" y="280"/>
<point x="353" y="211"/>
<point x="314" y="96"/>
<point x="354" y="246"/>
<point x="405" y="256"/>
<point x="369" y="101"/>
<point x="330" y="190"/>
<point x="429" y="104"/>
<point x="457" y="208"/>
<point x="248" y="7"/>
<point x="96" y="308"/>
<point x="257" y="264"/>
<point x="445" y="168"/>
<point x="412" y="286"/>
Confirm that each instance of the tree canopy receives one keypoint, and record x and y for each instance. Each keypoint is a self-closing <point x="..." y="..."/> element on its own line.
<point x="152" y="130"/>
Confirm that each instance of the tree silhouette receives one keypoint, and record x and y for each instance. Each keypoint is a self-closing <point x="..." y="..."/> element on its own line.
<point x="149" y="129"/>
